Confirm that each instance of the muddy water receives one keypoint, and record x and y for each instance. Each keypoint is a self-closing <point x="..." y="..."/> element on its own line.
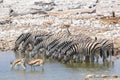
<point x="54" y="70"/>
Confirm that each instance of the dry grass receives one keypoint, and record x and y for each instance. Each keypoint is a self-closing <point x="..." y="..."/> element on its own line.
<point x="65" y="12"/>
<point x="117" y="42"/>
<point x="108" y="20"/>
<point x="65" y="25"/>
<point x="101" y="30"/>
<point x="48" y="22"/>
<point x="83" y="30"/>
<point x="58" y="13"/>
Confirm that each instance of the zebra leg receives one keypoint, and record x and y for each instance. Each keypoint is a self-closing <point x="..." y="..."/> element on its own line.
<point x="105" y="56"/>
<point x="92" y="58"/>
<point x="87" y="58"/>
<point x="66" y="59"/>
<point x="97" y="58"/>
<point x="76" y="58"/>
<point x="17" y="44"/>
<point x="82" y="58"/>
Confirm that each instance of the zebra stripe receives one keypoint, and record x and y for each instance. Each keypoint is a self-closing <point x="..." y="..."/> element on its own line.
<point x="21" y="39"/>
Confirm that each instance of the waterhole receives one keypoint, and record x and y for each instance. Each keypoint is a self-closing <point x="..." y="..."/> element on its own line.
<point x="54" y="70"/>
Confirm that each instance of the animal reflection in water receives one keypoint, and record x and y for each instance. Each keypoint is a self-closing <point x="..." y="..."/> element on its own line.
<point x="38" y="61"/>
<point x="27" y="60"/>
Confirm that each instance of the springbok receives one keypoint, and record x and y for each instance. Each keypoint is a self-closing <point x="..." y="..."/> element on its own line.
<point x="18" y="62"/>
<point x="36" y="62"/>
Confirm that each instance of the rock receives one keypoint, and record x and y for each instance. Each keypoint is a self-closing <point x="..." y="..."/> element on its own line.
<point x="1" y="1"/>
<point x="104" y="76"/>
<point x="115" y="76"/>
<point x="90" y="76"/>
<point x="38" y="12"/>
<point x="5" y="22"/>
<point x="24" y="16"/>
<point x="4" y="12"/>
<point x="106" y="7"/>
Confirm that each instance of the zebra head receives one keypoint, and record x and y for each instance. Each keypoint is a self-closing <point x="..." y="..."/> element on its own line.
<point x="37" y="40"/>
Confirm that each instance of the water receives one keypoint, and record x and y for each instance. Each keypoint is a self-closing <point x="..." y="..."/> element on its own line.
<point x="54" y="70"/>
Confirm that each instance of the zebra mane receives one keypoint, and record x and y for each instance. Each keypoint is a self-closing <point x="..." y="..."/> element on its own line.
<point x="19" y="37"/>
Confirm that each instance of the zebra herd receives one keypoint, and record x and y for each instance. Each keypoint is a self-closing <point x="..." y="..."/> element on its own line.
<point x="61" y="47"/>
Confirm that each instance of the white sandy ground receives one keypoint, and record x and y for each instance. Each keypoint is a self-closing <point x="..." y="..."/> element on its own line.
<point x="69" y="12"/>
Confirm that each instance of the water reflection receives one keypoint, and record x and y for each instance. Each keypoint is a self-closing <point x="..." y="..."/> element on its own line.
<point x="54" y="70"/>
<point x="90" y="65"/>
<point x="102" y="66"/>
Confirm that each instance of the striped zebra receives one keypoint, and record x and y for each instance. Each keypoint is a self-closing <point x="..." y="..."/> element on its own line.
<point x="26" y="43"/>
<point x="66" y="47"/>
<point x="107" y="50"/>
<point x="57" y="49"/>
<point x="50" y="47"/>
<point x="48" y="43"/>
<point x="74" y="49"/>
<point x="88" y="48"/>
<point x="33" y="40"/>
<point x="101" y="48"/>
<point x="70" y="51"/>
<point x="20" y="39"/>
<point x="94" y="48"/>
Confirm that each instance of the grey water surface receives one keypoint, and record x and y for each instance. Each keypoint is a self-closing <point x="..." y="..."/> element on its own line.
<point x="54" y="70"/>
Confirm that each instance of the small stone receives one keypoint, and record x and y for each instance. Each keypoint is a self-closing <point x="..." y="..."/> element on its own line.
<point x="90" y="76"/>
<point x="104" y="76"/>
<point x="114" y="76"/>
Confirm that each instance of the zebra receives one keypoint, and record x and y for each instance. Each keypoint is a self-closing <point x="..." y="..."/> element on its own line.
<point x="51" y="46"/>
<point x="33" y="40"/>
<point x="70" y="51"/>
<point x="85" y="46"/>
<point x="44" y="44"/>
<point x="20" y="39"/>
<point x="95" y="48"/>
<point x="107" y="50"/>
<point x="88" y="48"/>
<point x="58" y="48"/>
<point x="64" y="46"/>
<point x="102" y="48"/>
<point x="49" y="43"/>
<point x="76" y="49"/>
<point x="26" y="43"/>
